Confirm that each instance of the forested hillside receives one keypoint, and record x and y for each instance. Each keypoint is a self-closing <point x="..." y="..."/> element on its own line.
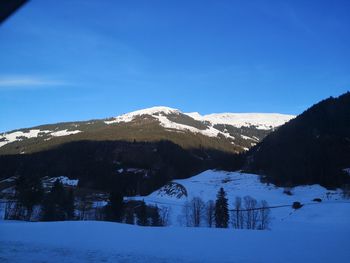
<point x="312" y="148"/>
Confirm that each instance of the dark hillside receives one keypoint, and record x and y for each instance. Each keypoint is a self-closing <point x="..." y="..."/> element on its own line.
<point x="312" y="148"/>
<point x="134" y="167"/>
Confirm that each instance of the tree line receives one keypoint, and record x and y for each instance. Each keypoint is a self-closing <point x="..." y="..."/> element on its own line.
<point x="59" y="203"/>
<point x="248" y="213"/>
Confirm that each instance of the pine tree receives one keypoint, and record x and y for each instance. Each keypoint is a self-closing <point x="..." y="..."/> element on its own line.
<point x="129" y="216"/>
<point x="58" y="204"/>
<point x="29" y="192"/>
<point x="221" y="210"/>
<point x="155" y="217"/>
<point x="114" y="209"/>
<point x="69" y="206"/>
<point x="142" y="217"/>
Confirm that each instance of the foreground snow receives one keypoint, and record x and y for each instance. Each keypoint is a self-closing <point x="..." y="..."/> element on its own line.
<point x="86" y="241"/>
<point x="318" y="232"/>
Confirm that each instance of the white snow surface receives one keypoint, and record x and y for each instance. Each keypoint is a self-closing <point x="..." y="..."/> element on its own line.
<point x="206" y="185"/>
<point x="318" y="232"/>
<point x="264" y="121"/>
<point x="16" y="136"/>
<point x="149" y="111"/>
<point x="87" y="241"/>
<point x="64" y="133"/>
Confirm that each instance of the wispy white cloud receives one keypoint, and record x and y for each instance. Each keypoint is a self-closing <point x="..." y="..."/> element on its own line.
<point x="25" y="81"/>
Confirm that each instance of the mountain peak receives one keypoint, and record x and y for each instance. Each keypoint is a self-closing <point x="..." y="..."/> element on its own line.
<point x="127" y="117"/>
<point x="260" y="120"/>
<point x="155" y="110"/>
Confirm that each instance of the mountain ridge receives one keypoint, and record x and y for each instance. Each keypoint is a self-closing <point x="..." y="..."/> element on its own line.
<point x="222" y="128"/>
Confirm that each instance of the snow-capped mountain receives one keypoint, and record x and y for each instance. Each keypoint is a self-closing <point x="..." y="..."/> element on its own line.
<point x="224" y="125"/>
<point x="262" y="121"/>
<point x="237" y="131"/>
<point x="161" y="142"/>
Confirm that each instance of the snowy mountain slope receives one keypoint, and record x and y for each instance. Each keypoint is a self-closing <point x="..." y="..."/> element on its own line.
<point x="264" y="121"/>
<point x="260" y="120"/>
<point x="6" y="138"/>
<point x="234" y="132"/>
<point x="163" y="115"/>
<point x="156" y="111"/>
<point x="236" y="184"/>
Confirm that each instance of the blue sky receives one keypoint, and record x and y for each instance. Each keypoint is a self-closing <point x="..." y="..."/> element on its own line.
<point x="77" y="60"/>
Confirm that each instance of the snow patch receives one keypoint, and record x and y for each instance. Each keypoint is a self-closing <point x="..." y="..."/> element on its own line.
<point x="263" y="121"/>
<point x="247" y="138"/>
<point x="64" y="133"/>
<point x="6" y="138"/>
<point x="19" y="135"/>
<point x="64" y="180"/>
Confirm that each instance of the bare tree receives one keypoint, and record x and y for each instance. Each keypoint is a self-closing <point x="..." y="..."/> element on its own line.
<point x="237" y="216"/>
<point x="184" y="219"/>
<point x="193" y="212"/>
<point x="14" y="211"/>
<point x="84" y="205"/>
<point x="251" y="213"/>
<point x="197" y="211"/>
<point x="346" y="191"/>
<point x="164" y="213"/>
<point x="264" y="216"/>
<point x="255" y="214"/>
<point x="210" y="213"/>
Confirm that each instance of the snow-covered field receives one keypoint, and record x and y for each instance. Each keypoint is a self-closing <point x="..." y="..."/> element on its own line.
<point x="86" y="241"/>
<point x="318" y="232"/>
<point x="236" y="184"/>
